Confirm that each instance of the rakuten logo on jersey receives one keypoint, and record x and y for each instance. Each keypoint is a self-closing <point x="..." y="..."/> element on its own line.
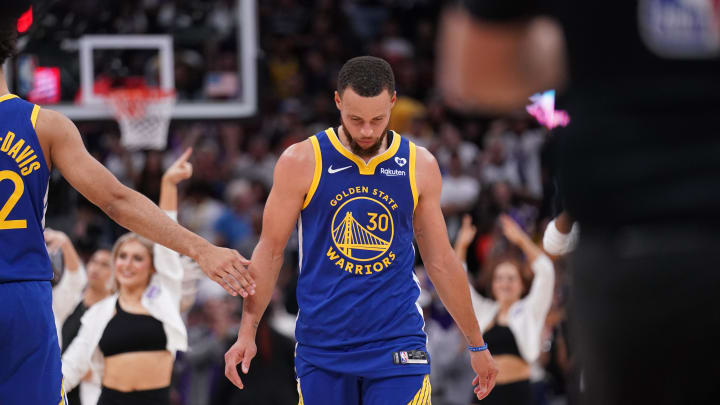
<point x="392" y="172"/>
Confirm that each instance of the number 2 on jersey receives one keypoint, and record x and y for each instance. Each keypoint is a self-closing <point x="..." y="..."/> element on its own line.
<point x="10" y="203"/>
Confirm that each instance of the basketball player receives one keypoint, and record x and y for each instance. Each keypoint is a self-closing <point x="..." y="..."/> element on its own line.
<point x="357" y="192"/>
<point x="32" y="141"/>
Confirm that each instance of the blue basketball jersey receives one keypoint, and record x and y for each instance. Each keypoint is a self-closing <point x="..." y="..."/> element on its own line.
<point x="357" y="291"/>
<point x="23" y="194"/>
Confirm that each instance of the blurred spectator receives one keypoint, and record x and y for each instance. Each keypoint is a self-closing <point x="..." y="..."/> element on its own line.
<point x="234" y="228"/>
<point x="199" y="210"/>
<point x="459" y="192"/>
<point x="210" y="324"/>
<point x="283" y="65"/>
<point x="406" y="109"/>
<point x="497" y="164"/>
<point x="118" y="160"/>
<point x="451" y="141"/>
<point x="151" y="175"/>
<point x="523" y="144"/>
<point x="257" y="164"/>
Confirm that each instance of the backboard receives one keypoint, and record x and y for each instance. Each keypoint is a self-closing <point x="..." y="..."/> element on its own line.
<point x="152" y="40"/>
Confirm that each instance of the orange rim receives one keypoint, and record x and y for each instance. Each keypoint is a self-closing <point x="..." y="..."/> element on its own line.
<point x="132" y="101"/>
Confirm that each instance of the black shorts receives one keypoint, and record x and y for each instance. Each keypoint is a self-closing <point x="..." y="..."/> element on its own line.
<point x="159" y="396"/>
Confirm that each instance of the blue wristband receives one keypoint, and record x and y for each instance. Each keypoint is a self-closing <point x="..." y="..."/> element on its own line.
<point x="478" y="348"/>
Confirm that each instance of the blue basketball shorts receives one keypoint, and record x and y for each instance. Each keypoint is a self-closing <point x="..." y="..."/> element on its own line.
<point x="322" y="387"/>
<point x="30" y="368"/>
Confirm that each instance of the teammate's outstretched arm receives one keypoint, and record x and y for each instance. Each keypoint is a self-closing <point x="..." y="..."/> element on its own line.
<point x="62" y="141"/>
<point x="445" y="270"/>
<point x="291" y="181"/>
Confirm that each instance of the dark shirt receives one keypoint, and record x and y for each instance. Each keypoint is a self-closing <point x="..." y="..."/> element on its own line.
<point x="127" y="332"/>
<point x="502" y="340"/>
<point x="70" y="329"/>
<point x="72" y="324"/>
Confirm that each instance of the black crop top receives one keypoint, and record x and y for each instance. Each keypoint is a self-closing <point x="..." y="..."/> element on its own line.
<point x="128" y="332"/>
<point x="500" y="340"/>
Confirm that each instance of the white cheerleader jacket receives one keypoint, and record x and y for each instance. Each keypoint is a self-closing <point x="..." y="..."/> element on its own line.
<point x="161" y="298"/>
<point x="526" y="317"/>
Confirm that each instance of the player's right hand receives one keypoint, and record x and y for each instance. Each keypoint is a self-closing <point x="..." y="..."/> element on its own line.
<point x="243" y="351"/>
<point x="228" y="268"/>
<point x="484" y="366"/>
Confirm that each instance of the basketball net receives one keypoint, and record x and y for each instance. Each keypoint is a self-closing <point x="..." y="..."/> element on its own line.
<point x="143" y="115"/>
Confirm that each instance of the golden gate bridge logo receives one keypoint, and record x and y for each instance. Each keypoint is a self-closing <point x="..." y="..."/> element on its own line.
<point x="360" y="230"/>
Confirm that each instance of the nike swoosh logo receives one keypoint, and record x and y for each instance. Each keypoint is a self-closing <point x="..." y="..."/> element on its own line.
<point x="331" y="170"/>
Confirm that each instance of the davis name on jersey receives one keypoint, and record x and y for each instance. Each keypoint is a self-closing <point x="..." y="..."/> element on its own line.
<point x="26" y="160"/>
<point x="24" y="179"/>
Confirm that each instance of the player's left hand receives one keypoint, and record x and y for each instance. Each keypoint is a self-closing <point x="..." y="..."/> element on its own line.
<point x="243" y="352"/>
<point x="180" y="170"/>
<point x="484" y="366"/>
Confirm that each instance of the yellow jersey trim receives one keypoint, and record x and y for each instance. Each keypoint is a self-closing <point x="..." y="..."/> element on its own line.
<point x="413" y="183"/>
<point x="7" y="97"/>
<point x="63" y="397"/>
<point x="318" y="171"/>
<point x="365" y="168"/>
<point x="423" y="395"/>
<point x="34" y="115"/>
<point x="300" y="402"/>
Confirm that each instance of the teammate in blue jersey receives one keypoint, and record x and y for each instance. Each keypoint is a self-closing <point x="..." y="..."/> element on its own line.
<point x="358" y="194"/>
<point x="32" y="141"/>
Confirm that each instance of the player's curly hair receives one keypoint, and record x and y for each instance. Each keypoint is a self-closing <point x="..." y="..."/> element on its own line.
<point x="8" y="39"/>
<point x="10" y="11"/>
<point x="368" y="76"/>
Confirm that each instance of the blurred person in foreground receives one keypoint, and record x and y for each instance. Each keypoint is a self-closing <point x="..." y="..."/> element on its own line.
<point x="35" y="140"/>
<point x="513" y="313"/>
<point x="638" y="166"/>
<point x="359" y="193"/>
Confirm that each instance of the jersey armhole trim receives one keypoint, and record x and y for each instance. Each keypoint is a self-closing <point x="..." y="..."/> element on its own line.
<point x="34" y="115"/>
<point x="413" y="184"/>
<point x="318" y="171"/>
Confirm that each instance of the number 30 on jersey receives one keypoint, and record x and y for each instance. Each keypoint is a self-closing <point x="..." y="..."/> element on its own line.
<point x="7" y="206"/>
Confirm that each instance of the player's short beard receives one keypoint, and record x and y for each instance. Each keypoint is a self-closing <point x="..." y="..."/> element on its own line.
<point x="359" y="150"/>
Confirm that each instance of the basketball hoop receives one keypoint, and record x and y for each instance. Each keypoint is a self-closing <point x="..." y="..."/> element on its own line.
<point x="143" y="115"/>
